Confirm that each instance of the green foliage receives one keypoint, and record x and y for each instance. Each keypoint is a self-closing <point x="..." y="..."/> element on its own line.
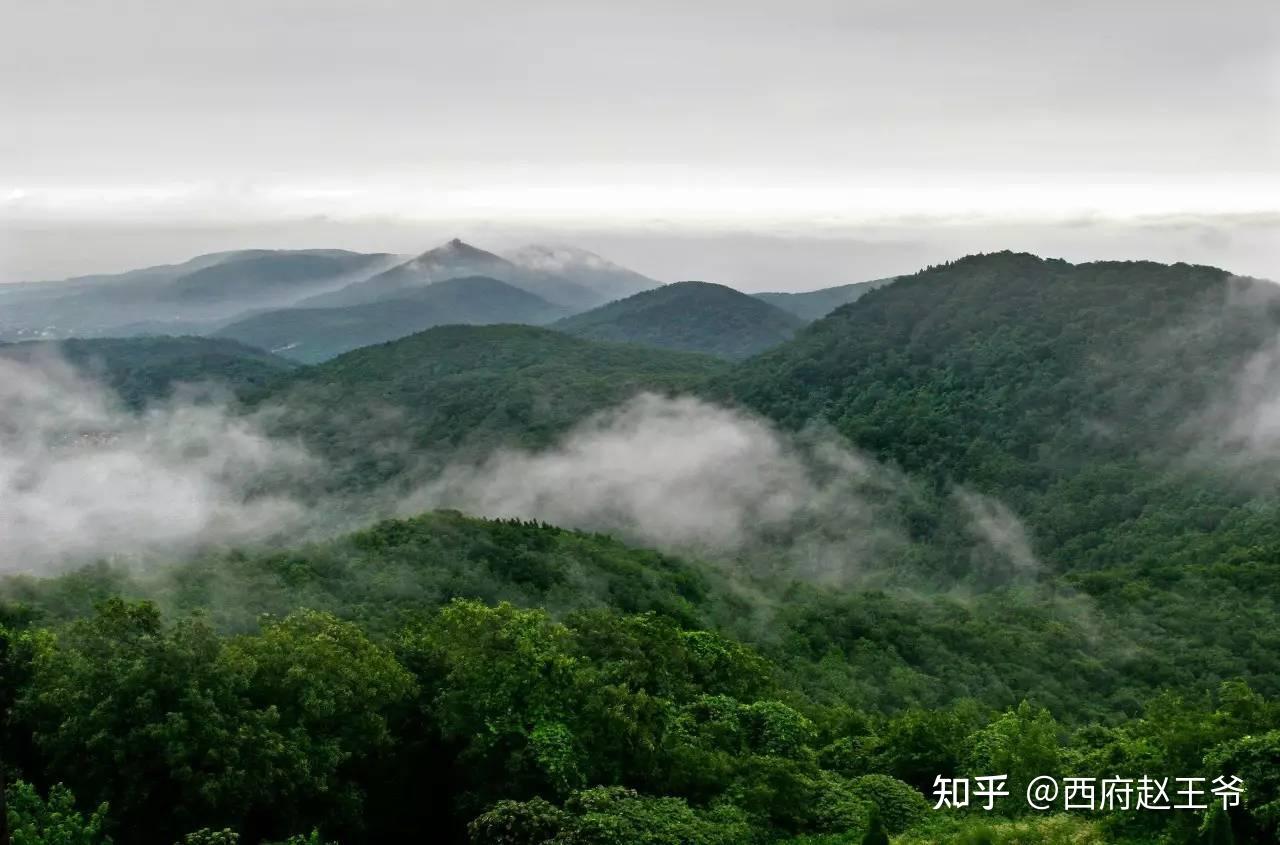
<point x="518" y="683"/>
<point x="897" y="805"/>
<point x="1217" y="828"/>
<point x="390" y="572"/>
<point x="1034" y="830"/>
<point x="144" y="369"/>
<point x="1021" y="743"/>
<point x="455" y="392"/>
<point x="207" y="836"/>
<point x="608" y="816"/>
<point x="689" y="316"/>
<point x="531" y="822"/>
<point x="174" y="727"/>
<point x="1255" y="760"/>
<point x="876" y="833"/>
<point x="54" y="820"/>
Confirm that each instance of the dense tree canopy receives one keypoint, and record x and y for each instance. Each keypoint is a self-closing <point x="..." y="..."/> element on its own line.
<point x="518" y="683"/>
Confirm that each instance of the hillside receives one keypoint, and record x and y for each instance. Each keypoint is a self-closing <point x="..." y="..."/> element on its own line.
<point x="812" y="304"/>
<point x="458" y="260"/>
<point x="1117" y="403"/>
<point x="311" y="335"/>
<point x="460" y="390"/>
<point x="626" y="694"/>
<point x="690" y="316"/>
<point x="146" y="368"/>
<point x="385" y="573"/>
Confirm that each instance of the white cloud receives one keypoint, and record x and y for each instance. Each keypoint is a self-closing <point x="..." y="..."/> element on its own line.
<point x="83" y="478"/>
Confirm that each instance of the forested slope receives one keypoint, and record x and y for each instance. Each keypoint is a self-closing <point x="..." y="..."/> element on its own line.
<point x="493" y="724"/>
<point x="144" y="369"/>
<point x="1104" y="427"/>
<point x="691" y="316"/>
<point x="459" y="391"/>
<point x="313" y="335"/>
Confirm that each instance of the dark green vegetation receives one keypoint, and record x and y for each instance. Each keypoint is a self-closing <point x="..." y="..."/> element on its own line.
<point x="813" y="304"/>
<point x="691" y="316"/>
<point x="1119" y="410"/>
<point x="144" y="369"/>
<point x="317" y="334"/>
<point x="459" y="391"/>
<point x="391" y="711"/>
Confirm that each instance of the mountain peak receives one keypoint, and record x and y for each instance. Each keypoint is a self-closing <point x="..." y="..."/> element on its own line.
<point x="456" y="250"/>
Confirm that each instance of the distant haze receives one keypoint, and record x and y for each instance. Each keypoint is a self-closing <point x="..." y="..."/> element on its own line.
<point x="766" y="145"/>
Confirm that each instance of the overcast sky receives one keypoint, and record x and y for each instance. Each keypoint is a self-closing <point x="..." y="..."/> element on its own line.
<point x="768" y="144"/>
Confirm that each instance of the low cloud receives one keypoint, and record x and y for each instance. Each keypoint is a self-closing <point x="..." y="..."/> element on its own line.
<point x="1238" y="426"/>
<point x="685" y="475"/>
<point x="82" y="477"/>
<point x="999" y="529"/>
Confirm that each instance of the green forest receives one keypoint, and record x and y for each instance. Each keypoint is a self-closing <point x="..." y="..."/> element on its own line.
<point x="512" y="682"/>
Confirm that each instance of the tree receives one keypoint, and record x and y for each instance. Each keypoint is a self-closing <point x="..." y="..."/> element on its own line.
<point x="54" y="820"/>
<point x="876" y="834"/>
<point x="1217" y="828"/>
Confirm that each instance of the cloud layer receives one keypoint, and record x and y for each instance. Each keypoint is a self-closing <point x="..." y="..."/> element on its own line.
<point x="682" y="474"/>
<point x="82" y="478"/>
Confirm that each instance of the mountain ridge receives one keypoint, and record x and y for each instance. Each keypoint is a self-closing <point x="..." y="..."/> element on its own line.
<point x="691" y="316"/>
<point x="312" y="335"/>
<point x="456" y="259"/>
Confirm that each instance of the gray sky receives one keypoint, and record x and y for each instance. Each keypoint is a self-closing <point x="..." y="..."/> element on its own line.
<point x="767" y="144"/>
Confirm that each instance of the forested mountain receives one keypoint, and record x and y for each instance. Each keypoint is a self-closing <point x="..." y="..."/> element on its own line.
<point x="693" y="316"/>
<point x="143" y="369"/>
<point x="1115" y="402"/>
<point x="456" y="260"/>
<point x="609" y="280"/>
<point x="181" y="298"/>
<point x="812" y="304"/>
<point x="460" y="390"/>
<point x="317" y="334"/>
<point x="1105" y="431"/>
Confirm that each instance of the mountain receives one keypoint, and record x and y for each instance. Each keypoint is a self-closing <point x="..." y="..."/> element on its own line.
<point x="458" y="391"/>
<point x="1123" y="406"/>
<point x="599" y="274"/>
<point x="142" y="369"/>
<point x="317" y="334"/>
<point x="1107" y="430"/>
<point x="458" y="260"/>
<point x="257" y="275"/>
<point x="187" y="297"/>
<point x="691" y="316"/>
<point x="810" y="305"/>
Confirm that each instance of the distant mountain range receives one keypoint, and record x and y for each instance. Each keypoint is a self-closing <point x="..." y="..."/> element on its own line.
<point x="310" y="305"/>
<point x="316" y="334"/>
<point x="590" y="280"/>
<point x="690" y="316"/>
<point x="180" y="298"/>
<point x="814" y="304"/>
